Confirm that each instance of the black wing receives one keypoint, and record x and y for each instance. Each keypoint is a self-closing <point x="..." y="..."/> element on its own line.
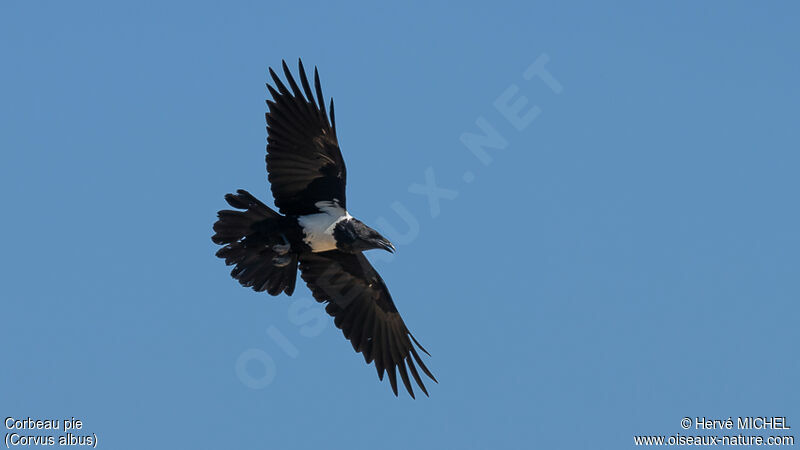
<point x="304" y="162"/>
<point x="362" y="308"/>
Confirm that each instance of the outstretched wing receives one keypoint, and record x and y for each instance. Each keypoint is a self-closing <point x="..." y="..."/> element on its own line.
<point x="304" y="162"/>
<point x="362" y="308"/>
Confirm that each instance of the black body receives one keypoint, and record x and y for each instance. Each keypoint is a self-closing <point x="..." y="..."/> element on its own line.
<point x="314" y="233"/>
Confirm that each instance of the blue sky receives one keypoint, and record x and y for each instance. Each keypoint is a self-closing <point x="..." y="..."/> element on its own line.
<point x="626" y="258"/>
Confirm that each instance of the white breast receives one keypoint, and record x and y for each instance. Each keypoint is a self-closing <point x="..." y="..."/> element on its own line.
<point x="318" y="228"/>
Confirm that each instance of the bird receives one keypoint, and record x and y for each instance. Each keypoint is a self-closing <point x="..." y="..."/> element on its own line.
<point x="313" y="232"/>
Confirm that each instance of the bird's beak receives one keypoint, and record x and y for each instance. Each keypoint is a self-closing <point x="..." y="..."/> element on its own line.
<point x="386" y="245"/>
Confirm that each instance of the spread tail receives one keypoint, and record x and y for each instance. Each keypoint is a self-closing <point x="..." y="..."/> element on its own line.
<point x="248" y="237"/>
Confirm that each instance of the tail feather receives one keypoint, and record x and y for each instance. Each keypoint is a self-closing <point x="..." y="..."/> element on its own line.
<point x="247" y="237"/>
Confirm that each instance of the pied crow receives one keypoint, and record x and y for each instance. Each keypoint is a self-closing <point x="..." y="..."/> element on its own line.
<point x="314" y="232"/>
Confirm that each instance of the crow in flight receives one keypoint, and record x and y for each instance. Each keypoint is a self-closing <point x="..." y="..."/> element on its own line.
<point x="314" y="230"/>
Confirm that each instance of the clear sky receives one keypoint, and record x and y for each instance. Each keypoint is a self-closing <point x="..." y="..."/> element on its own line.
<point x="622" y="252"/>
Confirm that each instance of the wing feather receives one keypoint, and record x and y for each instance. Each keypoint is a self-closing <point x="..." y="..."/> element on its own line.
<point x="357" y="298"/>
<point x="304" y="162"/>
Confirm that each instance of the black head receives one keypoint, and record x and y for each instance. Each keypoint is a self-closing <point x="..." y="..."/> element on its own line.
<point x="353" y="236"/>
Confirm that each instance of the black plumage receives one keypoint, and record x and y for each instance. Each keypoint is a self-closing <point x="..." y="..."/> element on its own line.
<point x="363" y="309"/>
<point x="304" y="162"/>
<point x="307" y="175"/>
